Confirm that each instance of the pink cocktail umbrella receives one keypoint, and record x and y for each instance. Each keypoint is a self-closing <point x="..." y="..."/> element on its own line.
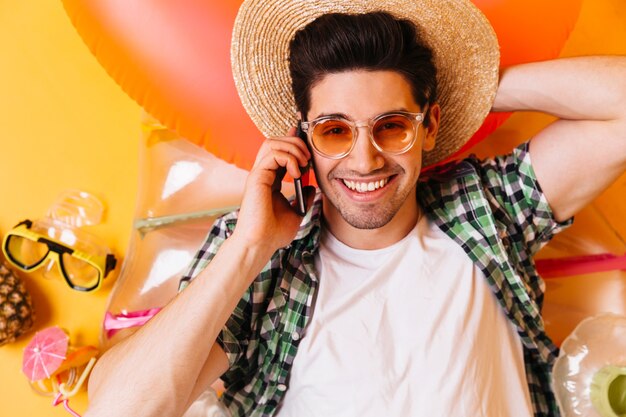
<point x="45" y="353"/>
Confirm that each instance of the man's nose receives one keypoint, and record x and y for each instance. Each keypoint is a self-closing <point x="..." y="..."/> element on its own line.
<point x="364" y="157"/>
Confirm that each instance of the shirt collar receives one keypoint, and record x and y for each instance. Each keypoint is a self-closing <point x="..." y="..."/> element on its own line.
<point x="311" y="222"/>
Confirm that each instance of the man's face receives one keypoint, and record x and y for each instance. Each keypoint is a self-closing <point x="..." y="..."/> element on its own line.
<point x="362" y="95"/>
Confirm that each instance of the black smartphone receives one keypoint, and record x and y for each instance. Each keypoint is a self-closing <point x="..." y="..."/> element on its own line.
<point x="304" y="178"/>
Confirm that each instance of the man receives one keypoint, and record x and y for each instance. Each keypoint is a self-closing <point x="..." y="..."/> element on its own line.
<point x="391" y="296"/>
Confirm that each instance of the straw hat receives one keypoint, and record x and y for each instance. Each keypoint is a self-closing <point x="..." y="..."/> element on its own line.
<point x="464" y="44"/>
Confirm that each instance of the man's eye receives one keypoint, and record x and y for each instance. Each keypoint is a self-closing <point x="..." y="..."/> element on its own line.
<point x="335" y="131"/>
<point x="390" y="125"/>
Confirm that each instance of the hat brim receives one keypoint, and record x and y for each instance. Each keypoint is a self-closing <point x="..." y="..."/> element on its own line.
<point x="464" y="45"/>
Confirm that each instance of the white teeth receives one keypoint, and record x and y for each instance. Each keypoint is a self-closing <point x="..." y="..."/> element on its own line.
<point x="363" y="187"/>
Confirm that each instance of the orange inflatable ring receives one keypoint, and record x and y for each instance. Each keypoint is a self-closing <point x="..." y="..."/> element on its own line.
<point x="172" y="57"/>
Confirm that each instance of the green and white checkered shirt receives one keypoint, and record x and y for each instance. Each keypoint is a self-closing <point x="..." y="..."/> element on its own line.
<point x="494" y="209"/>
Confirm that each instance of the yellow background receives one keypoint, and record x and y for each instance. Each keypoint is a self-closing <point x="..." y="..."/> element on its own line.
<point x="66" y="125"/>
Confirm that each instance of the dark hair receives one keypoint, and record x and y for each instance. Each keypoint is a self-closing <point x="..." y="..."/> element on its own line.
<point x="375" y="41"/>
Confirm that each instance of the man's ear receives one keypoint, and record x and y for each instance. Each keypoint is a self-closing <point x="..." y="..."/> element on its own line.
<point x="434" y="115"/>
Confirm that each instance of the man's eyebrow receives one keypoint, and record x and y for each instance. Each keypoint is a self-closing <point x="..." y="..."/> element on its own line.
<point x="342" y="115"/>
<point x="345" y="116"/>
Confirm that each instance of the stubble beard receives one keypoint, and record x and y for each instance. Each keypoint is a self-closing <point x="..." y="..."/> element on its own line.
<point x="365" y="217"/>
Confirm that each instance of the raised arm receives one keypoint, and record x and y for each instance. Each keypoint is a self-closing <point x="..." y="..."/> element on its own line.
<point x="161" y="368"/>
<point x="582" y="153"/>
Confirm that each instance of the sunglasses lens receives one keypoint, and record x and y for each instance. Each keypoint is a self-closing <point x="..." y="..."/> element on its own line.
<point x="80" y="273"/>
<point x="332" y="137"/>
<point x="394" y="133"/>
<point x="25" y="253"/>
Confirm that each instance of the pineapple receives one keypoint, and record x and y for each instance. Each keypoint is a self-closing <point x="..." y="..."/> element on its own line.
<point x="16" y="309"/>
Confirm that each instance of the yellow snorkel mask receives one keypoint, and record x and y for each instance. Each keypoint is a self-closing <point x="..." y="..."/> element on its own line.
<point x="82" y="260"/>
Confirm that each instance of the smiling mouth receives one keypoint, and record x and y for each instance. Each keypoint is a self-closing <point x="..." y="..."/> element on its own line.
<point x="364" y="187"/>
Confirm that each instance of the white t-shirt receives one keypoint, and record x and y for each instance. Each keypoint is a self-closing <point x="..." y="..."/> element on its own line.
<point x="409" y="330"/>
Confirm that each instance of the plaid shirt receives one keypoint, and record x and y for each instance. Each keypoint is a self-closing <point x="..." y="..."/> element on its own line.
<point x="494" y="209"/>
